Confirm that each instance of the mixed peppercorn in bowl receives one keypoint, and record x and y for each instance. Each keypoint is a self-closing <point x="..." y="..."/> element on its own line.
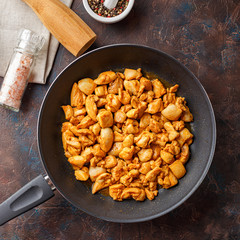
<point x="99" y="12"/>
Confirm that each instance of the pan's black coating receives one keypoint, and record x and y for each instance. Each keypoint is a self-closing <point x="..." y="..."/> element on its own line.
<point x="115" y="57"/>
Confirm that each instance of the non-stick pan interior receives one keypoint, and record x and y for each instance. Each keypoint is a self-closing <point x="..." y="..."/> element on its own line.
<point x="52" y="116"/>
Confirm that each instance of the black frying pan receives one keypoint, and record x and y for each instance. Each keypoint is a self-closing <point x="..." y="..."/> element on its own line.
<point x="59" y="170"/>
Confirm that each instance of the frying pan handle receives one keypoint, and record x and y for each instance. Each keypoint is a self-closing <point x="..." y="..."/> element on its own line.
<point x="32" y="194"/>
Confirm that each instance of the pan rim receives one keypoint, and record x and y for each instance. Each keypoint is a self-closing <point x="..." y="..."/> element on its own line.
<point x="211" y="154"/>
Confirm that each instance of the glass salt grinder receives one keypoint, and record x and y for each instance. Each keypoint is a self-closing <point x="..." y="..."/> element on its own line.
<point x="19" y="69"/>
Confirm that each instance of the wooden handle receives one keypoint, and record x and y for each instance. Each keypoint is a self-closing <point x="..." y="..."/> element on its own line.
<point x="65" y="25"/>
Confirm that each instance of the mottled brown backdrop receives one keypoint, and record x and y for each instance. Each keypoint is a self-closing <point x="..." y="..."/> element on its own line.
<point x="205" y="36"/>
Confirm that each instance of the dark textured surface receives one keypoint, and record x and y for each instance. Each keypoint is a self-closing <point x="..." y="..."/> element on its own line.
<point x="203" y="35"/>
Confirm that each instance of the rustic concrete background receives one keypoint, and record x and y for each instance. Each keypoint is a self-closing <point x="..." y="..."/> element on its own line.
<point x="205" y="36"/>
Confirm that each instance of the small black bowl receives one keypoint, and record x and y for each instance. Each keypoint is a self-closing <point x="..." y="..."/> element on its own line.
<point x="118" y="57"/>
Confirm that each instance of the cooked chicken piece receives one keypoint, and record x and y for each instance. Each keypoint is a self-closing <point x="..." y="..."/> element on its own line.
<point x="120" y="75"/>
<point x="127" y="153"/>
<point x="172" y="112"/>
<point x="169" y="98"/>
<point x="87" y="153"/>
<point x="152" y="186"/>
<point x="113" y="104"/>
<point x="87" y="86"/>
<point x="115" y="86"/>
<point x="145" y="154"/>
<point x="157" y="163"/>
<point x="117" y="129"/>
<point x="135" y="102"/>
<point x="94" y="172"/>
<point x="186" y="115"/>
<point x="86" y="122"/>
<point x="105" y="78"/>
<point x="91" y="107"/>
<point x="150" y="96"/>
<point x="133" y="113"/>
<point x="167" y="157"/>
<point x="86" y="140"/>
<point x="178" y="125"/>
<point x="172" y="133"/>
<point x="97" y="151"/>
<point x="128" y="141"/>
<point x="119" y="170"/>
<point x="84" y="132"/>
<point x="68" y="111"/>
<point x="108" y="162"/>
<point x="151" y="175"/>
<point x="169" y="181"/>
<point x="105" y="119"/>
<point x="79" y="111"/>
<point x="95" y="128"/>
<point x="181" y="103"/>
<point x="145" y="120"/>
<point x="133" y="173"/>
<point x="73" y="151"/>
<point x="163" y="119"/>
<point x="126" y="108"/>
<point x="101" y="102"/>
<point x="132" y="86"/>
<point x="136" y="193"/>
<point x="184" y="136"/>
<point x="166" y="182"/>
<point x="78" y="161"/>
<point x="149" y="194"/>
<point x="144" y="139"/>
<point x="172" y="148"/>
<point x="130" y="127"/>
<point x="102" y="181"/>
<point x="77" y="96"/>
<point x="118" y="137"/>
<point x="158" y="88"/>
<point x="66" y="126"/>
<point x="161" y="139"/>
<point x="76" y="120"/>
<point x="145" y="168"/>
<point x="74" y="142"/>
<point x="120" y="116"/>
<point x="131" y="74"/>
<point x="101" y="91"/>
<point x="126" y="179"/>
<point x="147" y="96"/>
<point x="185" y="153"/>
<point x="141" y="109"/>
<point x="155" y="126"/>
<point x="77" y="132"/>
<point x="94" y="161"/>
<point x="115" y="191"/>
<point x="106" y="139"/>
<point x="146" y="83"/>
<point x="156" y="151"/>
<point x="116" y="149"/>
<point x="174" y="88"/>
<point x="124" y="97"/>
<point x="155" y="106"/>
<point x="82" y="174"/>
<point x="178" y="169"/>
<point x="134" y="164"/>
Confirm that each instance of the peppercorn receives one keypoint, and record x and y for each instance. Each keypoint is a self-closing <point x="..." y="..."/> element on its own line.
<point x="98" y="7"/>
